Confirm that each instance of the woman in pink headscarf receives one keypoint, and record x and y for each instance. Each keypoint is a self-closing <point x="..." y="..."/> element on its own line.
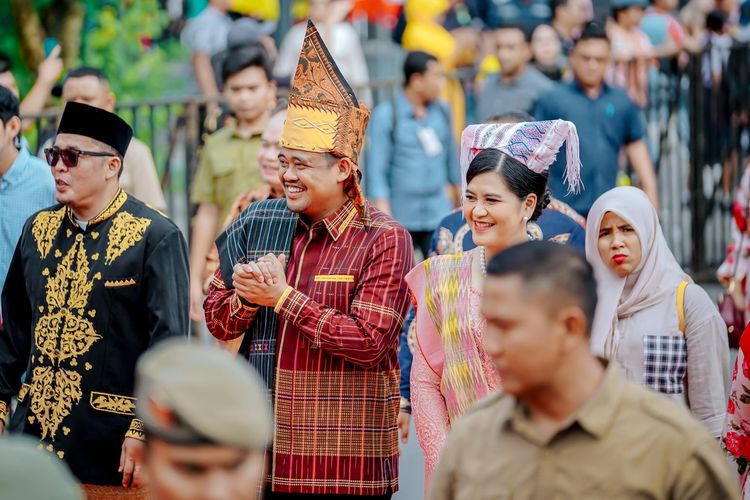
<point x="662" y="329"/>
<point x="504" y="171"/>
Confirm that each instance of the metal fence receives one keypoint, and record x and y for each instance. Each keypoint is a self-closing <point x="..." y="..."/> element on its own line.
<point x="697" y="133"/>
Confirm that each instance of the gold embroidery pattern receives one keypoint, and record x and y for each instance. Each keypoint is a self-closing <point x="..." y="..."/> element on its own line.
<point x="112" y="403"/>
<point x="136" y="430"/>
<point x="324" y="127"/>
<point x="126" y="231"/>
<point x="119" y="283"/>
<point x="23" y="392"/>
<point x="3" y="411"/>
<point x="117" y="202"/>
<point x="45" y="228"/>
<point x="62" y="335"/>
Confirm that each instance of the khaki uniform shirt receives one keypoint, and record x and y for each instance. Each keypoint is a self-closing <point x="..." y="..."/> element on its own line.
<point x="625" y="443"/>
<point x="228" y="168"/>
<point x="139" y="176"/>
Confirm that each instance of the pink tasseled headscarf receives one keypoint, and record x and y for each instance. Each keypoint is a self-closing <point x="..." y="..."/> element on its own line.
<point x="535" y="144"/>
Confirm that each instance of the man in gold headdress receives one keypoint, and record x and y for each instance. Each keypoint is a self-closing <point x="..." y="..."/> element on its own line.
<point x="314" y="281"/>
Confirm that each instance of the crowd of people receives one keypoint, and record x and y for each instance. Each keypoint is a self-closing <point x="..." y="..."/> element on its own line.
<point x="479" y="267"/>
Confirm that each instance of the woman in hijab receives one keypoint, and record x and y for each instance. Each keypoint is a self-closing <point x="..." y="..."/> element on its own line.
<point x="736" y="434"/>
<point x="661" y="328"/>
<point x="504" y="171"/>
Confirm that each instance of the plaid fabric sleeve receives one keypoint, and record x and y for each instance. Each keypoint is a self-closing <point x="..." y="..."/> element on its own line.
<point x="227" y="315"/>
<point x="364" y="335"/>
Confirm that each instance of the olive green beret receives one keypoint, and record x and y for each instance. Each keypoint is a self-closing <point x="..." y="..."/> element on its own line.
<point x="29" y="473"/>
<point x="190" y="393"/>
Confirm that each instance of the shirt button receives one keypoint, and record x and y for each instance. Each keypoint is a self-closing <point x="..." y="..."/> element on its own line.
<point x="79" y="237"/>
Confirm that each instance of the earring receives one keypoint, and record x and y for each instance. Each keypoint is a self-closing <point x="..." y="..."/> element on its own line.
<point x="526" y="218"/>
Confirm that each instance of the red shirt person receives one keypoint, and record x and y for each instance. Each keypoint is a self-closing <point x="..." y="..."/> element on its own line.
<point x="329" y="351"/>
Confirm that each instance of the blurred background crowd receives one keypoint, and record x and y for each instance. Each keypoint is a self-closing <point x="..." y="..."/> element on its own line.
<point x="684" y="65"/>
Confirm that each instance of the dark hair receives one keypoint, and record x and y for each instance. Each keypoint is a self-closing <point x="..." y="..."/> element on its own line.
<point x="554" y="4"/>
<point x="8" y="105"/>
<point x="552" y="267"/>
<point x="416" y="64"/>
<point x="5" y="64"/>
<point x="512" y="26"/>
<point x="715" y="20"/>
<point x="520" y="180"/>
<point x="616" y="11"/>
<point x="253" y="55"/>
<point x="83" y="71"/>
<point x="592" y="31"/>
<point x="511" y="117"/>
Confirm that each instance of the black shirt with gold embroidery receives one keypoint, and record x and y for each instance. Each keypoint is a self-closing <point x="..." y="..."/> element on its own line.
<point x="79" y="307"/>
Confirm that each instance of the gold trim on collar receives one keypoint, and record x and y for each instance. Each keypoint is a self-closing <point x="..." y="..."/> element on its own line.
<point x="116" y="204"/>
<point x="337" y="222"/>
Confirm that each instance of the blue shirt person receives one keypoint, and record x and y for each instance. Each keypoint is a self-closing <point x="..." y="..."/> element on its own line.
<point x="26" y="182"/>
<point x="25" y="188"/>
<point x="411" y="158"/>
<point x="607" y="122"/>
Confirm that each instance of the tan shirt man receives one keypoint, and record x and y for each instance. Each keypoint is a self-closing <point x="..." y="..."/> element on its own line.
<point x="625" y="442"/>
<point x="139" y="176"/>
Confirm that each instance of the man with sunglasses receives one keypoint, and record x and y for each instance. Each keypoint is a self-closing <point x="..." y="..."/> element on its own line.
<point x="139" y="177"/>
<point x="95" y="281"/>
<point x="25" y="182"/>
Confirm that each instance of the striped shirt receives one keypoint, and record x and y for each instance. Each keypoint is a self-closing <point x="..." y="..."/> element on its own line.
<point x="26" y="188"/>
<point x="336" y="386"/>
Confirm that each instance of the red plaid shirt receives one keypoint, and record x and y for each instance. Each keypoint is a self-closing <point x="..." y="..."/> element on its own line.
<point x="336" y="387"/>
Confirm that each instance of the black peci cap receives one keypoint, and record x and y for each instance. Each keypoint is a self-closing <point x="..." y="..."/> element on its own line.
<point x="88" y="121"/>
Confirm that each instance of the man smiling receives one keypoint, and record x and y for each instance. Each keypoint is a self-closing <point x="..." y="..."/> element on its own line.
<point x="334" y="313"/>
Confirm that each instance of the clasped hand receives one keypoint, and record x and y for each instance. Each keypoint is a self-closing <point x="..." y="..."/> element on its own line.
<point x="261" y="282"/>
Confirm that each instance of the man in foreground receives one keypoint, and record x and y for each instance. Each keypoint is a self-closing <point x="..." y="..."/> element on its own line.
<point x="192" y="453"/>
<point x="568" y="424"/>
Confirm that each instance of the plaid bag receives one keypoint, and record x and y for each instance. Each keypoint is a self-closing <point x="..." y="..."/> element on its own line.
<point x="665" y="357"/>
<point x="665" y="363"/>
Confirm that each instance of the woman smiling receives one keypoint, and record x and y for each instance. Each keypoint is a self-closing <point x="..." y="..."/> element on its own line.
<point x="504" y="169"/>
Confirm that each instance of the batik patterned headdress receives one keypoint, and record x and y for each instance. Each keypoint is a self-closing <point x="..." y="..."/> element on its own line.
<point x="535" y="144"/>
<point x="324" y="114"/>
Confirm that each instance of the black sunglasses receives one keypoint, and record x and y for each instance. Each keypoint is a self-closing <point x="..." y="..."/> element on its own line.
<point x="69" y="156"/>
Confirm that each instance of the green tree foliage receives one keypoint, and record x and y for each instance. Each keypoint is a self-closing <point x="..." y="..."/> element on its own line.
<point x="122" y="44"/>
<point x="121" y="37"/>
